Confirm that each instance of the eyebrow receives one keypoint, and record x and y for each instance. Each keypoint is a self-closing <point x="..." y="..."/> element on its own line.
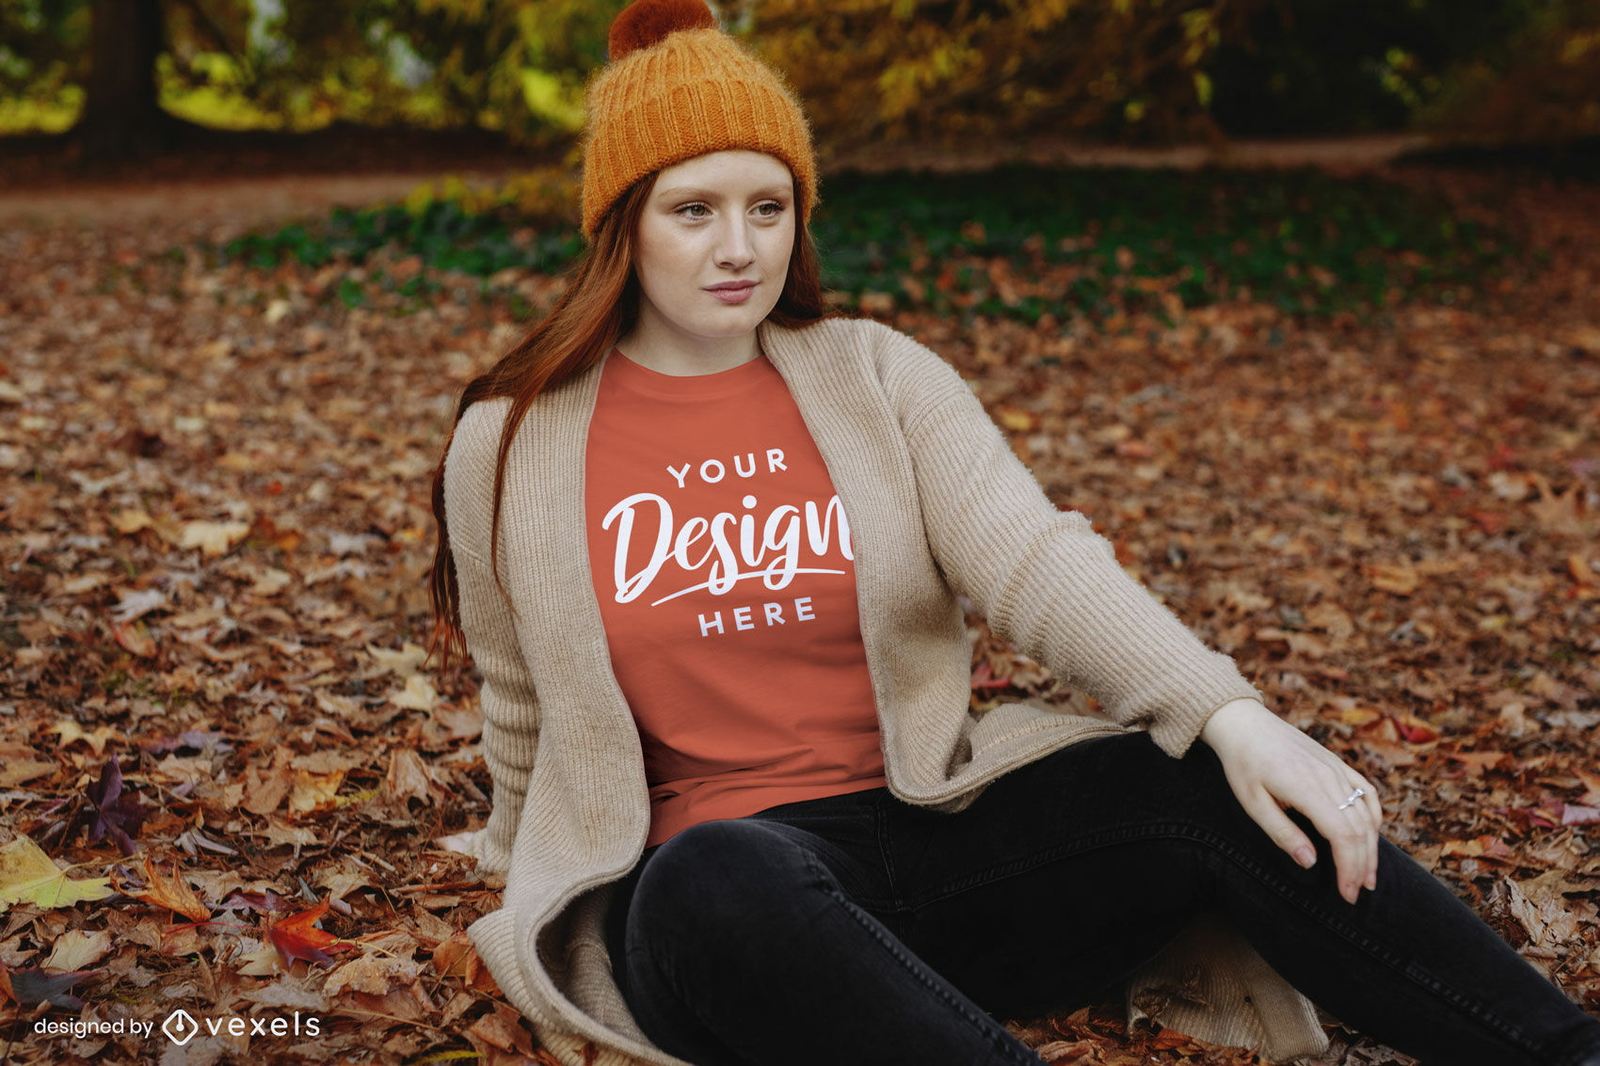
<point x="707" y="194"/>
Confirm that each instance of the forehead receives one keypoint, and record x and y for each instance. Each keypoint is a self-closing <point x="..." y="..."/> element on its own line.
<point x="730" y="169"/>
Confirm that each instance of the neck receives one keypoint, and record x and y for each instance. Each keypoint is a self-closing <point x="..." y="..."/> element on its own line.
<point x="668" y="352"/>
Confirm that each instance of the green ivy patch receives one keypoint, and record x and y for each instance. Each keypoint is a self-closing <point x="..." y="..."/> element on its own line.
<point x="1021" y="242"/>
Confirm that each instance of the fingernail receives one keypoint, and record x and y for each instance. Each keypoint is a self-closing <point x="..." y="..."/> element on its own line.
<point x="1305" y="857"/>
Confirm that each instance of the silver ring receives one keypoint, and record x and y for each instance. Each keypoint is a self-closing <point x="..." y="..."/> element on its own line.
<point x="1357" y="794"/>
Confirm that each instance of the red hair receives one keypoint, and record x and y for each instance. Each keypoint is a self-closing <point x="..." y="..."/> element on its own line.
<point x="600" y="305"/>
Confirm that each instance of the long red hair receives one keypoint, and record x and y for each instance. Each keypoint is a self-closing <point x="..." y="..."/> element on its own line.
<point x="599" y="306"/>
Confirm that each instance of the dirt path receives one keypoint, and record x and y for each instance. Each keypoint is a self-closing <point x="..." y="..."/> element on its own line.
<point x="245" y="201"/>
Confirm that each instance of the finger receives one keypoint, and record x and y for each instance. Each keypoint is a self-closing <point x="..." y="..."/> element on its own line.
<point x="1266" y="813"/>
<point x="1350" y="834"/>
<point x="1374" y="805"/>
<point x="1368" y="811"/>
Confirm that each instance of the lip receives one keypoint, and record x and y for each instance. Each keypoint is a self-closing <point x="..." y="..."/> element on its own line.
<point x="732" y="292"/>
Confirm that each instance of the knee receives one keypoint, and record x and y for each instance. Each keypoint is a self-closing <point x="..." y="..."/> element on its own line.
<point x="716" y="878"/>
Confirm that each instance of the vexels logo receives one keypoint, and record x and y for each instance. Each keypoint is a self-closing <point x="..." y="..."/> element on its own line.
<point x="180" y="1027"/>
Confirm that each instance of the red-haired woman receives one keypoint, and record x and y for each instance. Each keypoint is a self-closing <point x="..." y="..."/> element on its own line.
<point x="705" y="541"/>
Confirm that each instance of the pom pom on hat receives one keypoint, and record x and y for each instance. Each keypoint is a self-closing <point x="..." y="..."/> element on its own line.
<point x="643" y="23"/>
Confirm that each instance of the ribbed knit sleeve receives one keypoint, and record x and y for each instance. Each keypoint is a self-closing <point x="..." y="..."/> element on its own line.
<point x="1043" y="578"/>
<point x="509" y="703"/>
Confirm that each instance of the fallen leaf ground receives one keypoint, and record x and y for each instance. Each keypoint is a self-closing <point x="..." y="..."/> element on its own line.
<point x="217" y="719"/>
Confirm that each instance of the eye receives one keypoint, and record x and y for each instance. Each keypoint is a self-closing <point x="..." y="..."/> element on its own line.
<point x="776" y="209"/>
<point x="688" y="210"/>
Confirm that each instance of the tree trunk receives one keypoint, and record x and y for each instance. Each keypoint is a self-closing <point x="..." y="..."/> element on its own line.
<point x="120" y="116"/>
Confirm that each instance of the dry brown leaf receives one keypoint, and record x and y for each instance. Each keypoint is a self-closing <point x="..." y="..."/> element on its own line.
<point x="1400" y="580"/>
<point x="78" y="949"/>
<point x="407" y="776"/>
<point x="265" y="791"/>
<point x="169" y="891"/>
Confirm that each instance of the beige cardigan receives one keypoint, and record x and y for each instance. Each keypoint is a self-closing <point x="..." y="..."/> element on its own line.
<point x="938" y="505"/>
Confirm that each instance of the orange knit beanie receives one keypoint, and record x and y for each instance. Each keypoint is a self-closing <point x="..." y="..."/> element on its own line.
<point x="676" y="87"/>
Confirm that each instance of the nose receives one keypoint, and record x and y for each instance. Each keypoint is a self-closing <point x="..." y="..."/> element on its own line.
<point x="734" y="250"/>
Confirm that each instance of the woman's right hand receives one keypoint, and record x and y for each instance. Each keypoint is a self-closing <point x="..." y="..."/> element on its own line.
<point x="1272" y="766"/>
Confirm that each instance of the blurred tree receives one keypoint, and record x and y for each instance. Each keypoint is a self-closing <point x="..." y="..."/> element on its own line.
<point x="1539" y="82"/>
<point x="512" y="65"/>
<point x="1341" y="66"/>
<point x="121" y="115"/>
<point x="873" y="70"/>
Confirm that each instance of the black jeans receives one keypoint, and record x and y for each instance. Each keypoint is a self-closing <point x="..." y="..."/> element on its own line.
<point x="860" y="929"/>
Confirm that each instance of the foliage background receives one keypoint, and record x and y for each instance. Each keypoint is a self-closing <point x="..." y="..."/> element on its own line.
<point x="871" y="70"/>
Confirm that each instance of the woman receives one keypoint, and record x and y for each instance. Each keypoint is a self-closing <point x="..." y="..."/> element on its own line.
<point x="704" y="542"/>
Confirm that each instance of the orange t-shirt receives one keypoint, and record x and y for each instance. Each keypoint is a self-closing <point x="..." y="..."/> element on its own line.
<point x="721" y="558"/>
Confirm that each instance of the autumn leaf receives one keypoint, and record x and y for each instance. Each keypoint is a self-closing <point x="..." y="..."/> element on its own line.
<point x="314" y="792"/>
<point x="213" y="538"/>
<point x="402" y="663"/>
<point x="70" y="732"/>
<point x="115" y="815"/>
<point x="131" y="520"/>
<point x="136" y="603"/>
<point x="171" y="892"/>
<point x="418" y="695"/>
<point x="1414" y="730"/>
<point x="33" y="987"/>
<point x="135" y="638"/>
<point x="407" y="776"/>
<point x="297" y="937"/>
<point x="28" y="874"/>
<point x="264" y="791"/>
<point x="78" y="949"/>
<point x="1399" y="580"/>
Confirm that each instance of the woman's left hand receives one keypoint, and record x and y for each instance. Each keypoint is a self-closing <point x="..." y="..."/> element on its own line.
<point x="1271" y="765"/>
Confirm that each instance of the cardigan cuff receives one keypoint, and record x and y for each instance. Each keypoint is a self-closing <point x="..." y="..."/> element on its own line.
<point x="1177" y="730"/>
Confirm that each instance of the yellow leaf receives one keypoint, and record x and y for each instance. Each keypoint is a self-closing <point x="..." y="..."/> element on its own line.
<point x="213" y="538"/>
<point x="28" y="874"/>
<point x="1359" y="716"/>
<point x="1016" y="420"/>
<point x="418" y="695"/>
<point x="70" y="732"/>
<point x="402" y="663"/>
<point x="314" y="792"/>
<point x="131" y="520"/>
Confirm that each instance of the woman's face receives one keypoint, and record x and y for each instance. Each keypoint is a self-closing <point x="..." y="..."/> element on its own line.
<point x="713" y="245"/>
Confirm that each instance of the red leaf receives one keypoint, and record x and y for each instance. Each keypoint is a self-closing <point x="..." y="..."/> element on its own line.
<point x="296" y="937"/>
<point x="1414" y="729"/>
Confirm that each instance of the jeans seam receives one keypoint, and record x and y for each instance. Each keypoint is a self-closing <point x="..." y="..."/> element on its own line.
<point x="886" y="852"/>
<point x="921" y="973"/>
<point x="1353" y="936"/>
